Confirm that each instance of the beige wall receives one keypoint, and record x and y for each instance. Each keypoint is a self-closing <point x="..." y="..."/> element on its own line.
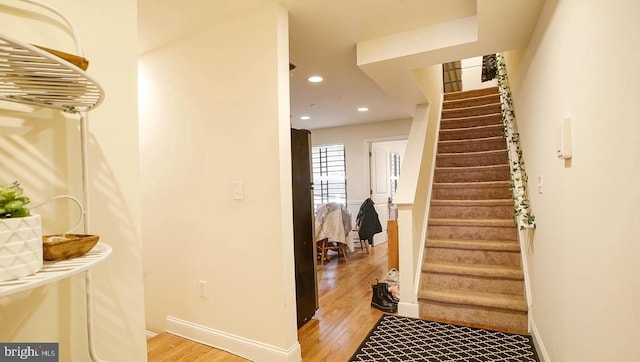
<point x="582" y="62"/>
<point x="214" y="110"/>
<point x="40" y="148"/>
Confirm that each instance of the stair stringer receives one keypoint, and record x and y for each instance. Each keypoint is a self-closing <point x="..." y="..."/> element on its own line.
<point x="425" y="225"/>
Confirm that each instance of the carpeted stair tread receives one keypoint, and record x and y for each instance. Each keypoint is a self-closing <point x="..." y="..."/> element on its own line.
<point x="471" y="190"/>
<point x="473" y="153"/>
<point x="469" y="159"/>
<point x="470" y="121"/>
<point x="484" y="167"/>
<point x="507" y="223"/>
<point x="471" y="184"/>
<point x="473" y="298"/>
<point x="472" y="174"/>
<point x="488" y="271"/>
<point x="481" y="139"/>
<point x="470" y="203"/>
<point x="485" y="245"/>
<point x="472" y="209"/>
<point x="471" y="101"/>
<point x="471" y="111"/>
<point x="470" y="93"/>
<point x="472" y="145"/>
<point x="474" y="132"/>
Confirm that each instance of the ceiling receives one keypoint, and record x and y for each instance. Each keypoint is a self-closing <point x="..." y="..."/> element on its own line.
<point x="325" y="35"/>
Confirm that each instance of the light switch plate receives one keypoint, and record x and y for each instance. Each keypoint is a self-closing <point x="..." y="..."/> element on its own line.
<point x="237" y="190"/>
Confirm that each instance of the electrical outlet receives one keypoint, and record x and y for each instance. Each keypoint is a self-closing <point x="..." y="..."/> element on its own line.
<point x="204" y="289"/>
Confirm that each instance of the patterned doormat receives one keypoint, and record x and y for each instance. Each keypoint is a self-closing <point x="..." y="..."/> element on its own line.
<point x="404" y="339"/>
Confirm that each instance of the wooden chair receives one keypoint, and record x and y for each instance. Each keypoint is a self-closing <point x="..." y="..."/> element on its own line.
<point x="325" y="245"/>
<point x="364" y="245"/>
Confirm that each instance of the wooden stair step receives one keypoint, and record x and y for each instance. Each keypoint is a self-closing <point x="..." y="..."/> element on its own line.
<point x="478" y="299"/>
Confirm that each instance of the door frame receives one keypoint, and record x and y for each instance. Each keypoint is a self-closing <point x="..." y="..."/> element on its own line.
<point x="368" y="142"/>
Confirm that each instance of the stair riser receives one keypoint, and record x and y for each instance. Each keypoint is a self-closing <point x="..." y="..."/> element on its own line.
<point x="471" y="193"/>
<point x="472" y="133"/>
<point x="472" y="102"/>
<point x="471" y="111"/>
<point x="469" y="160"/>
<point x="470" y="94"/>
<point x="488" y="120"/>
<point x="472" y="283"/>
<point x="485" y="257"/>
<point x="472" y="175"/>
<point x="491" y="144"/>
<point x="499" y="319"/>
<point x="444" y="232"/>
<point x="471" y="212"/>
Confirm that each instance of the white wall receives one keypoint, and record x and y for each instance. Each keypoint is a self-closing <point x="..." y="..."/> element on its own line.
<point x="582" y="62"/>
<point x="214" y="110"/>
<point x="40" y="148"/>
<point x="472" y="75"/>
<point x="356" y="139"/>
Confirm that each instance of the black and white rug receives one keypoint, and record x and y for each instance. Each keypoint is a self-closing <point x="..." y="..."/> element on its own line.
<point x="404" y="339"/>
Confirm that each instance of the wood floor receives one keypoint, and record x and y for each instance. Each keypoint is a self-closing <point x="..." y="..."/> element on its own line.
<point x="342" y="322"/>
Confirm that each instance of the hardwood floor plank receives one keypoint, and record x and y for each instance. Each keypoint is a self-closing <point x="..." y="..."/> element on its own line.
<point x="339" y="326"/>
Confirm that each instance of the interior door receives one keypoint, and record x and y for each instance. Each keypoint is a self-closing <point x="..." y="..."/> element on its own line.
<point x="380" y="190"/>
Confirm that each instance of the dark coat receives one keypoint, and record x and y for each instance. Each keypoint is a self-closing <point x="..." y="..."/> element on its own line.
<point x="368" y="221"/>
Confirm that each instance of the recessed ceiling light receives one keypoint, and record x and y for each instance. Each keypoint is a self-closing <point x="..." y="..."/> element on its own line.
<point x="363" y="109"/>
<point x="315" y="79"/>
<point x="305" y="117"/>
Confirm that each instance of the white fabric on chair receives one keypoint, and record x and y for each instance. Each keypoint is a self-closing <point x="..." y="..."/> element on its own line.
<point x="333" y="221"/>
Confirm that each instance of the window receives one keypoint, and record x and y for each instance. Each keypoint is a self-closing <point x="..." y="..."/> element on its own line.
<point x="329" y="175"/>
<point x="395" y="172"/>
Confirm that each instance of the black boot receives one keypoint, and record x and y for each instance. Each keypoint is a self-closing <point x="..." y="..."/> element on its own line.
<point x="387" y="294"/>
<point x="379" y="301"/>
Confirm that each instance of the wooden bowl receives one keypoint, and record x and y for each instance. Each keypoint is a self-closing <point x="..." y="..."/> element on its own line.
<point x="67" y="246"/>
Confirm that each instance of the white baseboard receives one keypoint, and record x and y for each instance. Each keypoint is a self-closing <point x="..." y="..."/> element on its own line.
<point x="253" y="350"/>
<point x="150" y="334"/>
<point x="408" y="310"/>
<point x="537" y="341"/>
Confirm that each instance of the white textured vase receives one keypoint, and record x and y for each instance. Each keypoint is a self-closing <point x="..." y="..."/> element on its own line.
<point x="20" y="247"/>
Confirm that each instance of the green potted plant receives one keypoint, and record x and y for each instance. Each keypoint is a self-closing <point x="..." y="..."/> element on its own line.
<point x="20" y="235"/>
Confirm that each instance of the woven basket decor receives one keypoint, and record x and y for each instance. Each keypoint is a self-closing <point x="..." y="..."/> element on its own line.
<point x="66" y="246"/>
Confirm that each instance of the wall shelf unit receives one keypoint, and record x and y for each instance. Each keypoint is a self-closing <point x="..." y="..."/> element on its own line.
<point x="35" y="76"/>
<point x="57" y="270"/>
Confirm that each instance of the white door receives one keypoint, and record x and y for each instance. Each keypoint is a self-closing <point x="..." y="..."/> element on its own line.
<point x="380" y="180"/>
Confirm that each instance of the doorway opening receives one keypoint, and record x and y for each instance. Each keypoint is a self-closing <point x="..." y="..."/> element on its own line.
<point x="385" y="160"/>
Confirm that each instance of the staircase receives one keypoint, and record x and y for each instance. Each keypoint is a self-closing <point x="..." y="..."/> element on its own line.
<point x="471" y="272"/>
